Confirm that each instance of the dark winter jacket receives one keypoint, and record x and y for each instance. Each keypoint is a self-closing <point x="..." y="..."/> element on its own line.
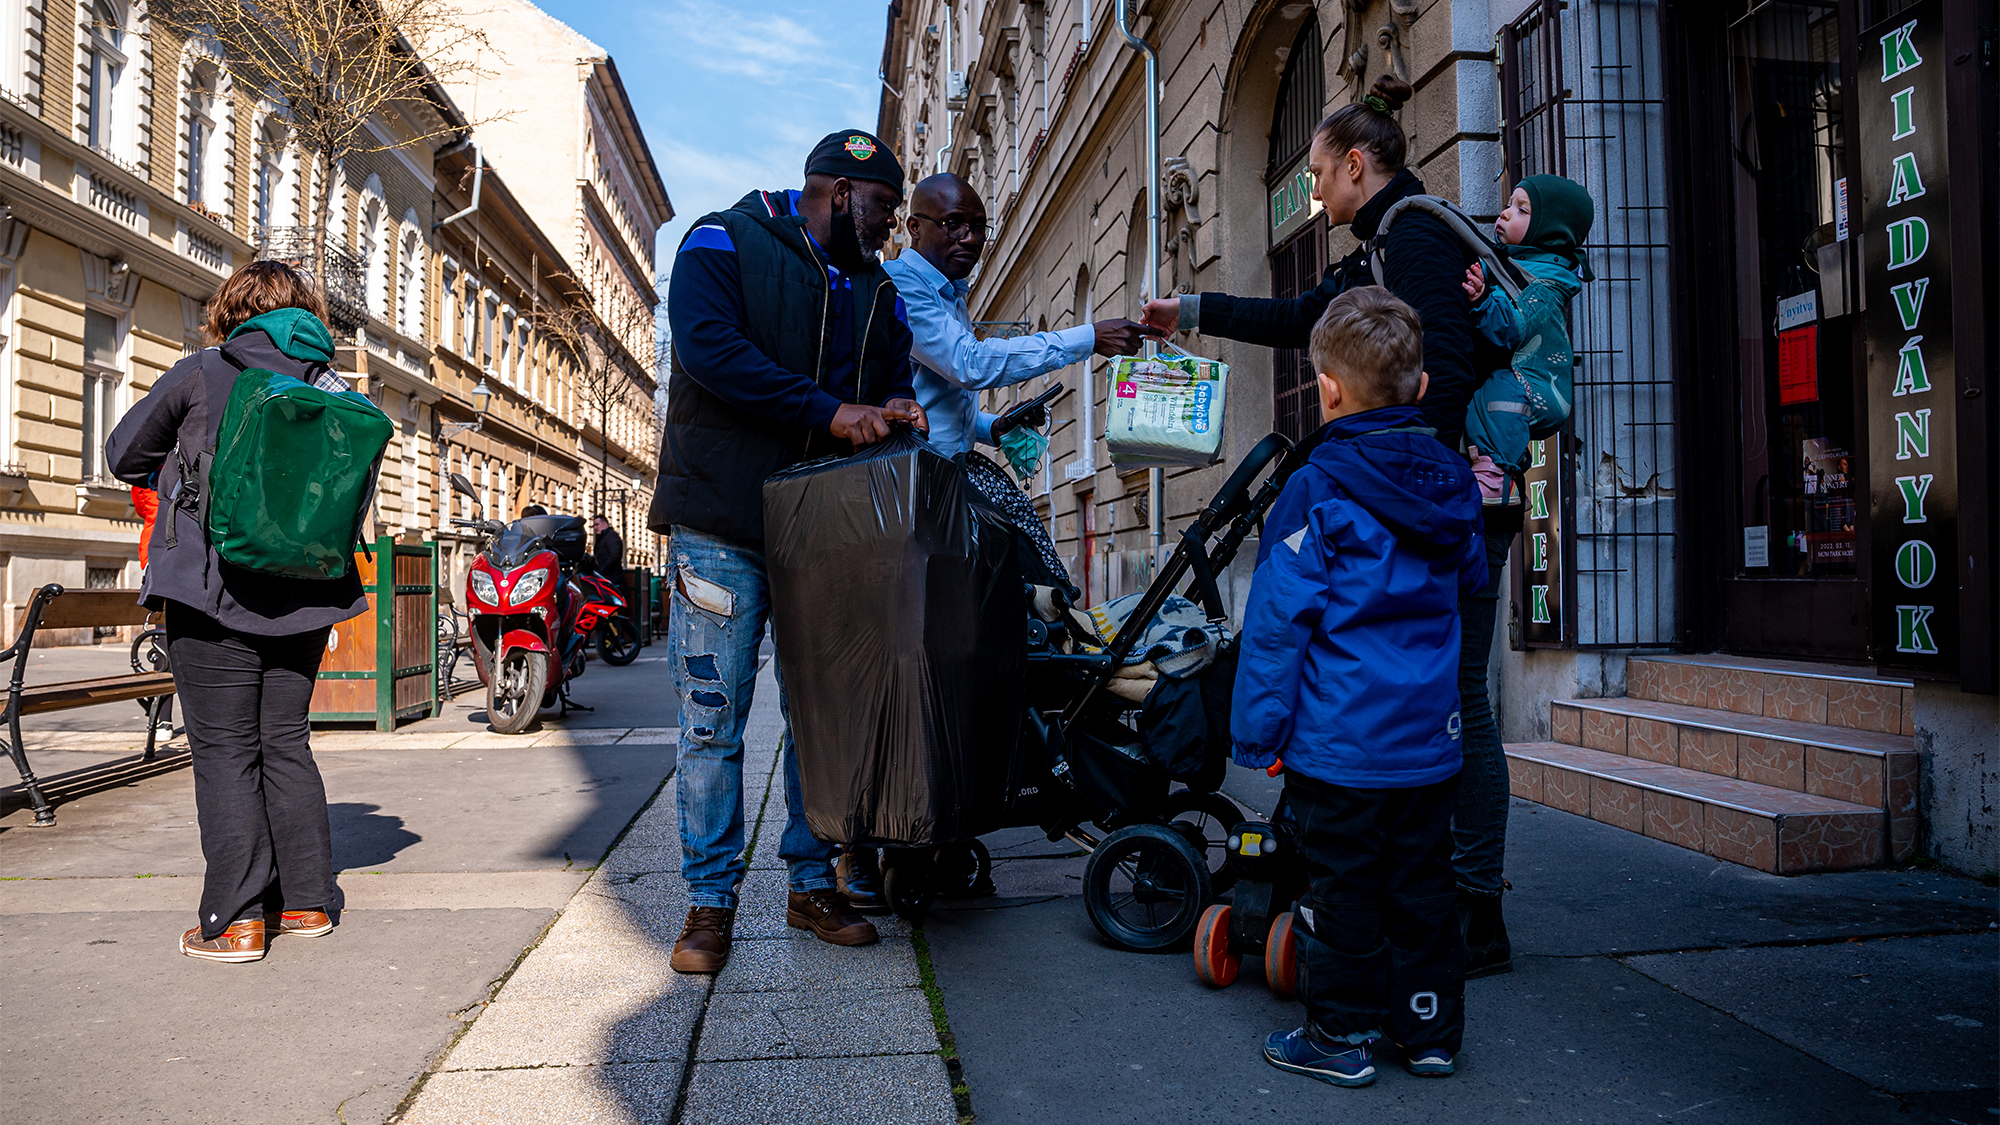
<point x="1425" y="267"/>
<point x="1348" y="667"/>
<point x="768" y="341"/>
<point x="185" y="408"/>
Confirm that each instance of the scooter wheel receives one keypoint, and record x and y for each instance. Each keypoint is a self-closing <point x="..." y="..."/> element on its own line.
<point x="1213" y="962"/>
<point x="1281" y="957"/>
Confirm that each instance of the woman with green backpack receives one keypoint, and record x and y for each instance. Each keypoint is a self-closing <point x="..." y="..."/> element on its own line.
<point x="253" y="576"/>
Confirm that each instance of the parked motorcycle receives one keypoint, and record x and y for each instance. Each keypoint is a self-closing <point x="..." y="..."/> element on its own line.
<point x="533" y="615"/>
<point x="616" y="635"/>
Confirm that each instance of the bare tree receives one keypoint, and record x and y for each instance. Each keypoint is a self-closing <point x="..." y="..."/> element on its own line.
<point x="328" y="66"/>
<point x="613" y="357"/>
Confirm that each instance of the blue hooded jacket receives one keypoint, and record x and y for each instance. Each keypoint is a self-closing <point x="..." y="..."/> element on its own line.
<point x="1349" y="660"/>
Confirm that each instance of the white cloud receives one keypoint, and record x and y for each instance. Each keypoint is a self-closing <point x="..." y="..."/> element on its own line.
<point x="737" y="41"/>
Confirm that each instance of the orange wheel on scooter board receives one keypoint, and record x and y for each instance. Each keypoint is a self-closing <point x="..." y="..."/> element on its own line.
<point x="1281" y="956"/>
<point x="1213" y="962"/>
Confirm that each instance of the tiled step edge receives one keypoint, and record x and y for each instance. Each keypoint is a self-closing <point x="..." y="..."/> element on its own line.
<point x="1777" y="830"/>
<point x="1858" y="767"/>
<point x="1860" y="702"/>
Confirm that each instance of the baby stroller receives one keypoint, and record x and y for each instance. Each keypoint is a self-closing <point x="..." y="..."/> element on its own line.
<point x="1096" y="766"/>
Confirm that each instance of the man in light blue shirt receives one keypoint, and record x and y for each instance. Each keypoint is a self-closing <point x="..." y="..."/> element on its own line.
<point x="948" y="225"/>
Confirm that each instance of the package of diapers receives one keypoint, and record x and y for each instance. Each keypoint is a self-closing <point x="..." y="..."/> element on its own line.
<point x="1165" y="410"/>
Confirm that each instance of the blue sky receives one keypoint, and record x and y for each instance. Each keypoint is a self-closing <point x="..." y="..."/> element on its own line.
<point x="732" y="96"/>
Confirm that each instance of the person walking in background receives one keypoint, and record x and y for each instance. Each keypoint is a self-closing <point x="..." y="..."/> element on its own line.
<point x="1358" y="159"/>
<point x="245" y="646"/>
<point x="1347" y="677"/>
<point x="789" y="343"/>
<point x="609" y="551"/>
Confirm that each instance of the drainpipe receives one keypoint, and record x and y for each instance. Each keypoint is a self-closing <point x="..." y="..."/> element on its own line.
<point x="1155" y="478"/>
<point x="478" y="178"/>
<point x="950" y="130"/>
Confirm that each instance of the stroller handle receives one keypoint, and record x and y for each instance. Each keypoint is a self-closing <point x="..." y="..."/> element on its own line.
<point x="1233" y="499"/>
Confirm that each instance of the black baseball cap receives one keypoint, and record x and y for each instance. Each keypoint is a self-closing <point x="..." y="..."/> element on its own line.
<point x="856" y="155"/>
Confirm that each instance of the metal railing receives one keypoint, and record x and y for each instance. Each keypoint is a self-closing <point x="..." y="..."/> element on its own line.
<point x="343" y="272"/>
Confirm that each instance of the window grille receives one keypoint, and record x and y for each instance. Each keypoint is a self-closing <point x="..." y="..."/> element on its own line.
<point x="1297" y="264"/>
<point x="1581" y="96"/>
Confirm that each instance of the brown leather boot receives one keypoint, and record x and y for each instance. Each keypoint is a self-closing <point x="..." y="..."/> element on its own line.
<point x="242" y="941"/>
<point x="300" y="923"/>
<point x="829" y="916"/>
<point x="704" y="943"/>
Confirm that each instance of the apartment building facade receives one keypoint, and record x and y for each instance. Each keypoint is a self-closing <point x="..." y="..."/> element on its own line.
<point x="571" y="148"/>
<point x="1745" y="474"/>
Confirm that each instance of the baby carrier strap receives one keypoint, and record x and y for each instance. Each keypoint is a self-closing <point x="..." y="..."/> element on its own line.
<point x="1499" y="271"/>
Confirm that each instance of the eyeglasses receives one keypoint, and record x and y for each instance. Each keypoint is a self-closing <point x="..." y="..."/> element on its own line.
<point x="957" y="229"/>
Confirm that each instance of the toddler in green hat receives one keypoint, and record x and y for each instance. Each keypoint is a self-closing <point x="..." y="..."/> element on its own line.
<point x="1542" y="231"/>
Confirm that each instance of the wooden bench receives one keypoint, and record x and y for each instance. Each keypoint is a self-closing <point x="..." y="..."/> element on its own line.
<point x="53" y="607"/>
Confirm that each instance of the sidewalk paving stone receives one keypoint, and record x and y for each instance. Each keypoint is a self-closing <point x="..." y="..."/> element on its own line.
<point x="667" y="736"/>
<point x="782" y="964"/>
<point x="584" y="736"/>
<point x="904" y="1089"/>
<point x="557" y="1095"/>
<point x="590" y="1028"/>
<point x="828" y="1023"/>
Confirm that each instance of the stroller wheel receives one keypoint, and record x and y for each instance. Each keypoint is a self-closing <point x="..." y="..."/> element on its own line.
<point x="965" y="870"/>
<point x="1281" y="957"/>
<point x="907" y="886"/>
<point x="1145" y="887"/>
<point x="1205" y="819"/>
<point x="1213" y="962"/>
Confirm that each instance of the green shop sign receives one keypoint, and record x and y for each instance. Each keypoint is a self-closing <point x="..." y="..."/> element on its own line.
<point x="1292" y="202"/>
<point x="1912" y="448"/>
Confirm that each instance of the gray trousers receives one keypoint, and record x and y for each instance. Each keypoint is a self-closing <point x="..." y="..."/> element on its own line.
<point x="257" y="792"/>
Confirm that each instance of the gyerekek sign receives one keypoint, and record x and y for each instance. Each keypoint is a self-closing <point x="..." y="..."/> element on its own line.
<point x="1912" y="423"/>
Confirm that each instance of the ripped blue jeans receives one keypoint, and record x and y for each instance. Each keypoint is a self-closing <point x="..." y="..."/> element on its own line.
<point x="716" y="617"/>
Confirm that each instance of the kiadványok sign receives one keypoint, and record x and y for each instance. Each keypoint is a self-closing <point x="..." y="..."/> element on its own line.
<point x="1912" y="447"/>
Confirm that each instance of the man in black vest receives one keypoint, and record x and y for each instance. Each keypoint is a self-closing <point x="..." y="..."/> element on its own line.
<point x="789" y="342"/>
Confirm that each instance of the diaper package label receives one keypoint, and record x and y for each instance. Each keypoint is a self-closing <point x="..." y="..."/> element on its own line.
<point x="1165" y="410"/>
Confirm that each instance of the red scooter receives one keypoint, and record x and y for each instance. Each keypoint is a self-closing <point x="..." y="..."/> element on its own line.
<point x="533" y="615"/>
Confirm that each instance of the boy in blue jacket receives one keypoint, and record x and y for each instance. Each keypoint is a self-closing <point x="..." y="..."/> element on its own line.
<point x="1349" y="676"/>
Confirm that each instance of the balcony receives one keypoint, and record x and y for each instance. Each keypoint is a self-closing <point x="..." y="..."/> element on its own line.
<point x="343" y="274"/>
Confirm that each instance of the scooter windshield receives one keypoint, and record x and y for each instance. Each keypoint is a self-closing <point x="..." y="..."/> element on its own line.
<point x="524" y="537"/>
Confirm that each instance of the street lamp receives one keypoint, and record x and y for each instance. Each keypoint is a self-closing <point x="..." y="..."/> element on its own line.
<point x="482" y="398"/>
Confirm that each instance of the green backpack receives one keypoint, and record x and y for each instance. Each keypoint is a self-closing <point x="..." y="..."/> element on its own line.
<point x="290" y="476"/>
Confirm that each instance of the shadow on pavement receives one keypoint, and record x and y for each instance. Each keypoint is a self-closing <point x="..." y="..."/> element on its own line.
<point x="97" y="777"/>
<point x="364" y="837"/>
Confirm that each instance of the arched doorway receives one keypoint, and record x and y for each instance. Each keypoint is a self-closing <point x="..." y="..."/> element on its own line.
<point x="1296" y="228"/>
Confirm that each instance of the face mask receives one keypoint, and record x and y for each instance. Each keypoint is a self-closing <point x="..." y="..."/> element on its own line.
<point x="846" y="250"/>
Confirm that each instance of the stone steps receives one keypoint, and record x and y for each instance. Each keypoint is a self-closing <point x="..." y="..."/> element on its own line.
<point x="1782" y="831"/>
<point x="1786" y="766"/>
<point x="1833" y="694"/>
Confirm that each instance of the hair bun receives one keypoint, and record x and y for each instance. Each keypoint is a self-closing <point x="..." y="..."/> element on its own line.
<point x="1393" y="91"/>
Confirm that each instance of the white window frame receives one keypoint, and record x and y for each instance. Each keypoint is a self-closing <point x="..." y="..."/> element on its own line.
<point x="112" y="379"/>
<point x="410" y="282"/>
<point x="108" y="63"/>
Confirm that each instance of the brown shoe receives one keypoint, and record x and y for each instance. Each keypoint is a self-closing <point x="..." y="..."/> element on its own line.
<point x="829" y="916"/>
<point x="301" y="923"/>
<point x="242" y="941"/>
<point x="704" y="943"/>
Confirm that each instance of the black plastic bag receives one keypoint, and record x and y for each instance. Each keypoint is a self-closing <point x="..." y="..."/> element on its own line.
<point x="897" y="601"/>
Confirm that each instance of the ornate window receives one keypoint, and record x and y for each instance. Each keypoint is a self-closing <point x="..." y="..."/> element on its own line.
<point x="108" y="63"/>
